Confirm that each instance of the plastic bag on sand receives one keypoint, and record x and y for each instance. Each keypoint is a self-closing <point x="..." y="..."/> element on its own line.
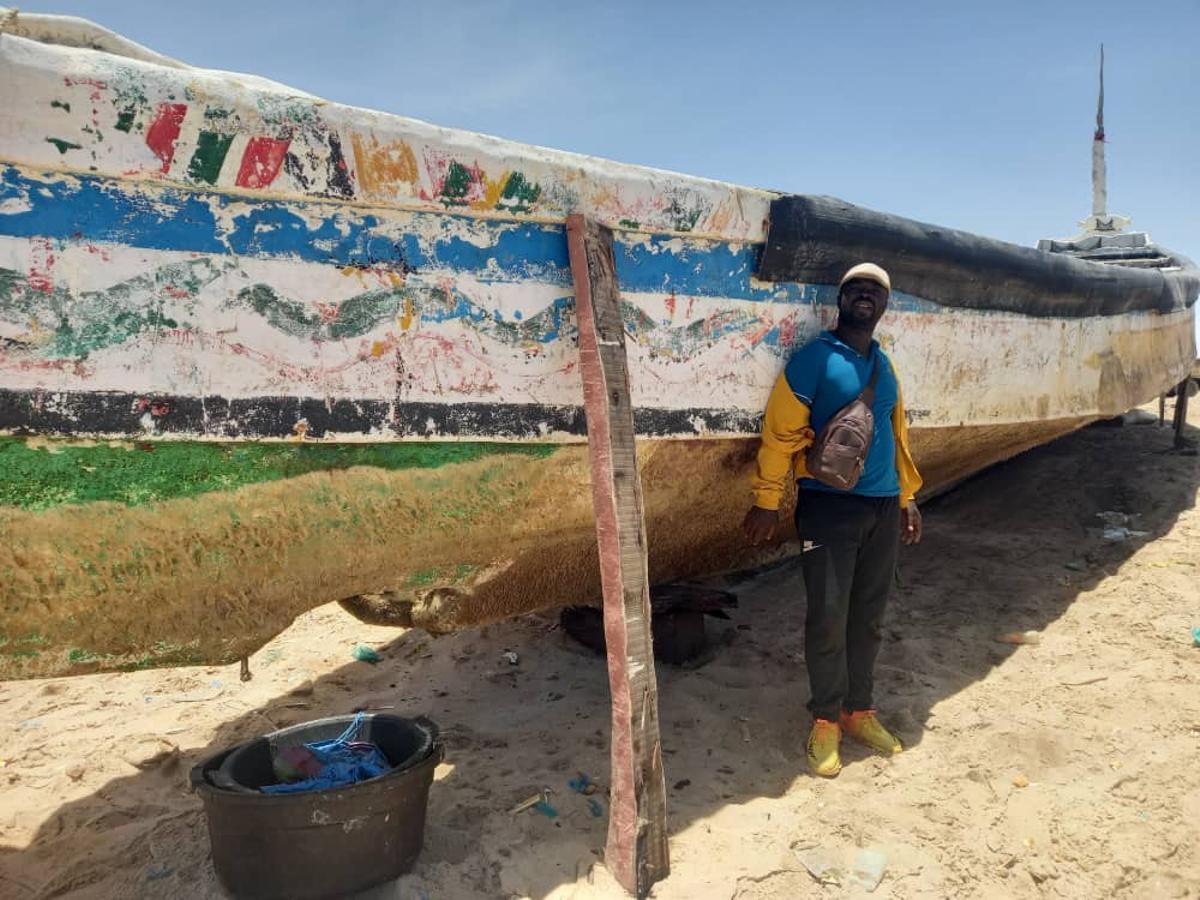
<point x="333" y="763"/>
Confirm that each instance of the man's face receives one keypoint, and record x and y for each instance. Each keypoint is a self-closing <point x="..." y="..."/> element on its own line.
<point x="862" y="302"/>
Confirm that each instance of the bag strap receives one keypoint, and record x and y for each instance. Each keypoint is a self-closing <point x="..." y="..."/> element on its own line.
<point x="868" y="393"/>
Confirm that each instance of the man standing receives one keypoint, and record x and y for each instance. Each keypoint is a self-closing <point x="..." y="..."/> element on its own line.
<point x="850" y="537"/>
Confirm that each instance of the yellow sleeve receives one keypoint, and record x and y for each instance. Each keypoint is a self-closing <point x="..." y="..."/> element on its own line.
<point x="910" y="478"/>
<point x="785" y="433"/>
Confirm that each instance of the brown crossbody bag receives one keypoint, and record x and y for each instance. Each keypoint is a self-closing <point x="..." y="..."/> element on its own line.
<point x="839" y="453"/>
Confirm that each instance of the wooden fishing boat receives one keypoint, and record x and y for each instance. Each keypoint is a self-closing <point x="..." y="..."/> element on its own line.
<point x="260" y="352"/>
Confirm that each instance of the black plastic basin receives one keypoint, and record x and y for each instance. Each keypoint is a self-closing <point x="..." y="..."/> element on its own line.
<point x="250" y="766"/>
<point x="318" y="844"/>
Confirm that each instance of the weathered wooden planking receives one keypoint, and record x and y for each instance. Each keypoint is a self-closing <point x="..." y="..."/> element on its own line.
<point x="127" y="118"/>
<point x="637" y="851"/>
<point x="393" y="281"/>
<point x="243" y="261"/>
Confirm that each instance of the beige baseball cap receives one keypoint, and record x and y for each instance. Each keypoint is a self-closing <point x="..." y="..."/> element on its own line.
<point x="869" y="272"/>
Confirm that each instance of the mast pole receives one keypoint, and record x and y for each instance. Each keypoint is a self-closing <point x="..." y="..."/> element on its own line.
<point x="1099" y="175"/>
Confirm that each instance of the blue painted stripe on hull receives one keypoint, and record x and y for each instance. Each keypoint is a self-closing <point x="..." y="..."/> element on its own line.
<point x="113" y="211"/>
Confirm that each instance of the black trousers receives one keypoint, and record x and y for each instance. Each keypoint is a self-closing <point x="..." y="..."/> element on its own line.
<point x="849" y="562"/>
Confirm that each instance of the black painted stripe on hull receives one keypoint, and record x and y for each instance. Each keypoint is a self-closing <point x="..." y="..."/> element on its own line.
<point x="124" y="415"/>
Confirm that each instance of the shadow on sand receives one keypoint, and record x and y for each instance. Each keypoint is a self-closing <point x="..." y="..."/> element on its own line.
<point x="1006" y="552"/>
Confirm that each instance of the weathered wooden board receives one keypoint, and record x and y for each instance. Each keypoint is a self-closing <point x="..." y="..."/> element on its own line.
<point x="637" y="851"/>
<point x="1182" y="394"/>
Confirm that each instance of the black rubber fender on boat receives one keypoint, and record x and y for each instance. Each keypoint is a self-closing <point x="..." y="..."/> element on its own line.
<point x="816" y="239"/>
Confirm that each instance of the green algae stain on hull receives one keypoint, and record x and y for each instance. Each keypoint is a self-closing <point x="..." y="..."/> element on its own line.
<point x="41" y="475"/>
<point x="127" y="555"/>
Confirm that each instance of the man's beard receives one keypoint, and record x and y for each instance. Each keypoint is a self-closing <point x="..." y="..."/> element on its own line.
<point x="850" y="322"/>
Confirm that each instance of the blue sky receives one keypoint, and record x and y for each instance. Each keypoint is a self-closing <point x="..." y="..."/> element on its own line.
<point x="970" y="115"/>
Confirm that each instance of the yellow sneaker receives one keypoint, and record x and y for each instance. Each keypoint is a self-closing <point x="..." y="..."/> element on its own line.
<point x="865" y="728"/>
<point x="823" y="740"/>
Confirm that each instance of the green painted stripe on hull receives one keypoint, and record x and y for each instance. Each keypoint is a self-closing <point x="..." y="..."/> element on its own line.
<point x="39" y="475"/>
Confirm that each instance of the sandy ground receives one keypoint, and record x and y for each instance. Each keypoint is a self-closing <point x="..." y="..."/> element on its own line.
<point x="1066" y="767"/>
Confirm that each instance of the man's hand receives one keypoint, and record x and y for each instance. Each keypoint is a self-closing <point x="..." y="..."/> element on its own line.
<point x="911" y="526"/>
<point x="760" y="524"/>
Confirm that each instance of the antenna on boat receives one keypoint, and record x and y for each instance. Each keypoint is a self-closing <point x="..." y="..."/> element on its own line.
<point x="1100" y="222"/>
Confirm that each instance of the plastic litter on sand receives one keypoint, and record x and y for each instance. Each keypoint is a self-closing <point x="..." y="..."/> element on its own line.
<point x="868" y="870"/>
<point x="366" y="654"/>
<point x="1020" y="637"/>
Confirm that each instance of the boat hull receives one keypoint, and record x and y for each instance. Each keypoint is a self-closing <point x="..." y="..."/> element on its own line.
<point x="210" y="578"/>
<point x="259" y="352"/>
